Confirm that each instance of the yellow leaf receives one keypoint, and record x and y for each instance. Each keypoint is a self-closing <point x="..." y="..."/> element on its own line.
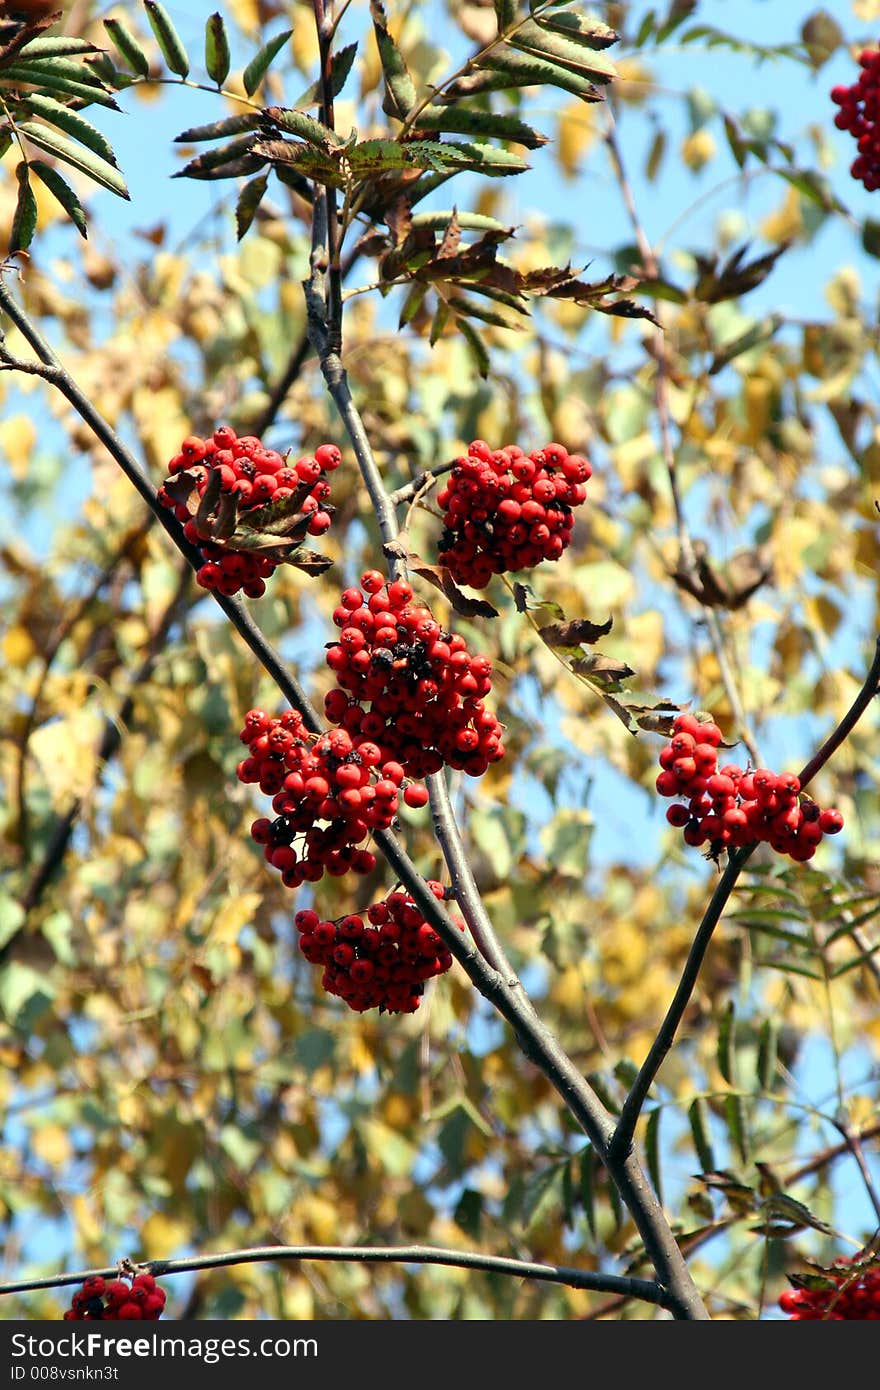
<point x="18" y="438"/>
<point x="787" y="221"/>
<point x="89" y="1229"/>
<point x="162" y="1235"/>
<point x="575" y="133"/>
<point x="52" y="1144"/>
<point x="66" y="751"/>
<point x="698" y="149"/>
<point x="18" y="646"/>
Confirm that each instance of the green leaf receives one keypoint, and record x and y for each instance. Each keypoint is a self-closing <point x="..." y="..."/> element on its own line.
<point x="735" y="1115"/>
<point x="587" y="1187"/>
<point x="591" y="32"/>
<point x="652" y="1150"/>
<point x="48" y="80"/>
<point x="84" y="160"/>
<point x="476" y="347"/>
<point x="128" y="47"/>
<point x="491" y="160"/>
<point x="12" y="916"/>
<point x="73" y="123"/>
<point x="517" y="69"/>
<point x="464" y="120"/>
<point x="572" y="52"/>
<point x="249" y="200"/>
<point x="206" y="166"/>
<point x="260" y="63"/>
<point x="62" y="190"/>
<point x="340" y="67"/>
<point x="167" y="38"/>
<point x="24" y="220"/>
<point x="412" y="304"/>
<point x="505" y="13"/>
<point x="218" y="130"/>
<point x="698" y="1120"/>
<point x="400" y="91"/>
<point x="724" y="1051"/>
<point x="57" y="67"/>
<point x="305" y="127"/>
<point x="466" y="309"/>
<point x="467" y="221"/>
<point x="56" y="46"/>
<point x="216" y="49"/>
<point x="765" y="1062"/>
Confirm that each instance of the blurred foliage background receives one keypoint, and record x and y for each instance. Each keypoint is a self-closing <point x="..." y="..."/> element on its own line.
<point x="173" y="1079"/>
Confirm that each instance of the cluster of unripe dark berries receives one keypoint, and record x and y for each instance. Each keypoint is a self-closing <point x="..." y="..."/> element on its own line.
<point x="842" y="1299"/>
<point x="414" y="689"/>
<point x="255" y="476"/>
<point x="382" y="962"/>
<point x="507" y="510"/>
<point x="730" y="807"/>
<point x="860" y="114"/>
<point x="117" y="1300"/>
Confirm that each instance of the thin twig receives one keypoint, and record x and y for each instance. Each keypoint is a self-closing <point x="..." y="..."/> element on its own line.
<point x="645" y="1289"/>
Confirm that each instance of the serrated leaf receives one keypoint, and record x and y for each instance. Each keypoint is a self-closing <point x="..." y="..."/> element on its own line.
<point x="724" y="1049"/>
<point x="698" y="1121"/>
<point x="217" y="56"/>
<point x="309" y="561"/>
<point x="127" y="47"/>
<point x="56" y="46"/>
<point x="309" y="162"/>
<point x="218" y="130"/>
<point x="505" y="13"/>
<point x="167" y="38"/>
<point x="652" y="1150"/>
<point x="400" y="90"/>
<point x="24" y="219"/>
<point x="485" y="159"/>
<point x="510" y="68"/>
<point x="467" y="221"/>
<point x="765" y="1062"/>
<point x="72" y="123"/>
<point x="259" y="65"/>
<point x="84" y="160"/>
<point x="61" y="190"/>
<point x="591" y="32"/>
<point x="48" y="80"/>
<point x="464" y="120"/>
<point x="305" y="127"/>
<point x="209" y="164"/>
<point x="249" y="200"/>
<point x="58" y="67"/>
<point x="571" y="52"/>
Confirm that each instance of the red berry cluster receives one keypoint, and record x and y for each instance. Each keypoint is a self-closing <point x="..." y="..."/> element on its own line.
<point x="117" y="1301"/>
<point x="255" y="475"/>
<point x="507" y="510"/>
<point x="843" y="1299"/>
<point x="381" y="963"/>
<point x="423" y="687"/>
<point x="731" y="807"/>
<point x="860" y="114"/>
<point x="345" y="781"/>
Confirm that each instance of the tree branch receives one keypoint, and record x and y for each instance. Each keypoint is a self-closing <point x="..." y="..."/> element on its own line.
<point x="645" y="1289"/>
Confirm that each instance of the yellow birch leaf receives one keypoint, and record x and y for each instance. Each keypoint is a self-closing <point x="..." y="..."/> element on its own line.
<point x="18" y="646"/>
<point x="162" y="1235"/>
<point x="575" y="133"/>
<point x="52" y="1144"/>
